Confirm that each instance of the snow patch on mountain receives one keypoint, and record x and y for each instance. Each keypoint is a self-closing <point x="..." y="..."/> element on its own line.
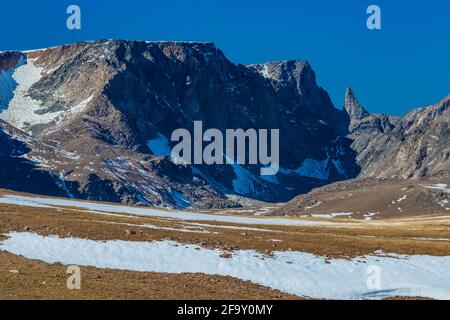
<point x="265" y="72"/>
<point x="339" y="167"/>
<point x="81" y="106"/>
<point x="181" y="201"/>
<point x="242" y="184"/>
<point x="310" y="168"/>
<point x="332" y="215"/>
<point x="160" y="146"/>
<point x="20" y="111"/>
<point x="439" y="186"/>
<point x="67" y="114"/>
<point x="18" y="108"/>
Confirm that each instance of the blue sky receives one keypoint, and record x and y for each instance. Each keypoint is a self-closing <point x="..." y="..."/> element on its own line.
<point x="403" y="66"/>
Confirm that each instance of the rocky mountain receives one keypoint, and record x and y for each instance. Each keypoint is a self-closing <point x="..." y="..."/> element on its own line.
<point x="99" y="117"/>
<point x="404" y="166"/>
<point x="94" y="120"/>
<point x="294" y="83"/>
<point x="413" y="146"/>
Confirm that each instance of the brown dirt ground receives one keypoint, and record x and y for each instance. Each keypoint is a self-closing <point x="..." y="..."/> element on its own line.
<point x="38" y="280"/>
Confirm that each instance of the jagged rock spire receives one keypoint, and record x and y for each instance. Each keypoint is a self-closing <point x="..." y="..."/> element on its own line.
<point x="352" y="106"/>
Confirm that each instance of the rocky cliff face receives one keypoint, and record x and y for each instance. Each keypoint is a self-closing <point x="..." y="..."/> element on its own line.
<point x="112" y="105"/>
<point x="412" y="146"/>
<point x="294" y="83"/>
<point x="22" y="174"/>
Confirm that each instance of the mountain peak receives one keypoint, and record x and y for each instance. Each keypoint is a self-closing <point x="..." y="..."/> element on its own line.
<point x="352" y="106"/>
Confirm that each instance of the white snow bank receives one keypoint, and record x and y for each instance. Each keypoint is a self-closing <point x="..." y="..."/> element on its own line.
<point x="20" y="202"/>
<point x="298" y="273"/>
<point x="332" y="215"/>
<point x="181" y="215"/>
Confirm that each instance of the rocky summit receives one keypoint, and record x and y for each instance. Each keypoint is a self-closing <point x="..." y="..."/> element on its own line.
<point x="94" y="121"/>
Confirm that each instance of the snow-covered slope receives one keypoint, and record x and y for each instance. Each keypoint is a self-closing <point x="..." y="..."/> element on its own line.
<point x="21" y="108"/>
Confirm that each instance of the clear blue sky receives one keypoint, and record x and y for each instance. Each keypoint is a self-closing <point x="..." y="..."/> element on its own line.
<point x="403" y="66"/>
